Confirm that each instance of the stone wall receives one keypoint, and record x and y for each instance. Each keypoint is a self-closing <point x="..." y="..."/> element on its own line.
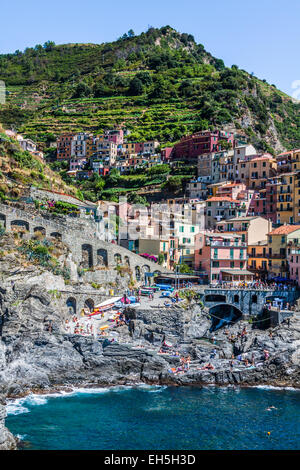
<point x="87" y="250"/>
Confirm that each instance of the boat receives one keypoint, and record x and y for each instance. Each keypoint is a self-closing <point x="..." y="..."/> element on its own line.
<point x="105" y="306"/>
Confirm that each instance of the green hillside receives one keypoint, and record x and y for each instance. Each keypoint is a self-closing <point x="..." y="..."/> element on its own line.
<point x="160" y="84"/>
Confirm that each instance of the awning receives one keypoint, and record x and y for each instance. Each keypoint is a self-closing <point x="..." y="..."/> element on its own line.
<point x="237" y="272"/>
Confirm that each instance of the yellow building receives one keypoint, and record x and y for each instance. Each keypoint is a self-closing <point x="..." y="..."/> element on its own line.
<point x="278" y="249"/>
<point x="288" y="197"/>
<point x="258" y="259"/>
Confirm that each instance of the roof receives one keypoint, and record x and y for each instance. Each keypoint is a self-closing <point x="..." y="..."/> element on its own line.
<point x="265" y="157"/>
<point x="219" y="235"/>
<point x="219" y="198"/>
<point x="260" y="243"/>
<point x="285" y="229"/>
<point x="241" y="219"/>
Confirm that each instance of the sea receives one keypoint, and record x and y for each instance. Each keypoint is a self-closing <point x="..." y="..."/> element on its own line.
<point x="159" y="418"/>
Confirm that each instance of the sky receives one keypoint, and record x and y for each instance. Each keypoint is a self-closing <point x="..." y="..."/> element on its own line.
<point x="260" y="36"/>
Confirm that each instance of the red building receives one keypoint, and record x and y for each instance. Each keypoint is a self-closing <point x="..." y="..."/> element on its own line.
<point x="64" y="146"/>
<point x="191" y="146"/>
<point x="166" y="154"/>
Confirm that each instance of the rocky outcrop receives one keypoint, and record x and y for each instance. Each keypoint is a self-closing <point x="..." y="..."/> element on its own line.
<point x="34" y="357"/>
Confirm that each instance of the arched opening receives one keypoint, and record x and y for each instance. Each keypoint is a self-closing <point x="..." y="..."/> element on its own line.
<point x="87" y="256"/>
<point x="236" y="299"/>
<point x="224" y="314"/>
<point x="118" y="258"/>
<point x="215" y="298"/>
<point x="71" y="304"/>
<point x="56" y="235"/>
<point x="254" y="299"/>
<point x="137" y="273"/>
<point x="41" y="230"/>
<point x="2" y="220"/>
<point x="101" y="257"/>
<point x="157" y="273"/>
<point x="127" y="262"/>
<point x="89" y="304"/>
<point x="19" y="225"/>
<point x="146" y="268"/>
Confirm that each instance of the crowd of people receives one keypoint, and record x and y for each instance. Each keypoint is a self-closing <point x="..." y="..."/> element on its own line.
<point x="257" y="285"/>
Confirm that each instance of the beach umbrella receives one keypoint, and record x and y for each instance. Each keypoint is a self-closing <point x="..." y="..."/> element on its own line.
<point x="103" y="327"/>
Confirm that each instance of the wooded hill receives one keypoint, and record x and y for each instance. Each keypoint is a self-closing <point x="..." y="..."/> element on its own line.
<point x="160" y="84"/>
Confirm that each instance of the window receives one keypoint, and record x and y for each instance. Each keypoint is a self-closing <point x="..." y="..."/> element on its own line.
<point x="181" y="229"/>
<point x="192" y="229"/>
<point x="215" y="264"/>
<point x="282" y="240"/>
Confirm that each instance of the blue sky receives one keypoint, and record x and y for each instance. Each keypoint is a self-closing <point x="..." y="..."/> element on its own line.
<point x="260" y="36"/>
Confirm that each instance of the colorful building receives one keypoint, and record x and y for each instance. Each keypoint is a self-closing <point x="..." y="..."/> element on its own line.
<point x="223" y="257"/>
<point x="279" y="243"/>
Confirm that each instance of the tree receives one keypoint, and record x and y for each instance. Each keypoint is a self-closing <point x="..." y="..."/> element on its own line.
<point x="131" y="33"/>
<point x="136" y="87"/>
<point x="49" y="45"/>
<point x="184" y="269"/>
<point x="82" y="90"/>
<point x="225" y="145"/>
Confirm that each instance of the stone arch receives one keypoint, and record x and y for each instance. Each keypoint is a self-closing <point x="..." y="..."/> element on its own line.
<point x="254" y="299"/>
<point x="89" y="304"/>
<point x="146" y="268"/>
<point x="157" y="273"/>
<point x="138" y="273"/>
<point x="87" y="255"/>
<point x="215" y="298"/>
<point x="71" y="304"/>
<point x="40" y="229"/>
<point x="56" y="235"/>
<point x="236" y="298"/>
<point x="224" y="314"/>
<point x="101" y="257"/>
<point x="127" y="261"/>
<point x="118" y="258"/>
<point x="20" y="223"/>
<point x="2" y="220"/>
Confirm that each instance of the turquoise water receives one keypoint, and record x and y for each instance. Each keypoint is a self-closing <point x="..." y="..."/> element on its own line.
<point x="161" y="418"/>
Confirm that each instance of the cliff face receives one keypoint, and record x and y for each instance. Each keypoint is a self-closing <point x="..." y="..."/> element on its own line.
<point x="7" y="441"/>
<point x="33" y="358"/>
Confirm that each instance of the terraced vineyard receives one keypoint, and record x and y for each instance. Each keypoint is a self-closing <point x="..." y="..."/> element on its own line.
<point x="160" y="84"/>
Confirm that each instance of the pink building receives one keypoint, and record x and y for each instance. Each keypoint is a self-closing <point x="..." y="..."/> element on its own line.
<point x="116" y="136"/>
<point x="294" y="263"/>
<point x="222" y="257"/>
<point x="166" y="154"/>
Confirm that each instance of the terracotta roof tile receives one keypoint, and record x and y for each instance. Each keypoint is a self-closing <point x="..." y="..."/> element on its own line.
<point x="285" y="229"/>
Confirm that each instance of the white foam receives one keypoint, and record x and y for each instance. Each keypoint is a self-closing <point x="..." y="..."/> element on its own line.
<point x="272" y="387"/>
<point x="15" y="408"/>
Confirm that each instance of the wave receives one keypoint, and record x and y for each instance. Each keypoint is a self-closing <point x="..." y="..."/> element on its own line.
<point x="18" y="405"/>
<point x="272" y="387"/>
<point x="14" y="408"/>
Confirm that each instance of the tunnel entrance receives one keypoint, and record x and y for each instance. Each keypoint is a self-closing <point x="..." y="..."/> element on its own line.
<point x="224" y="314"/>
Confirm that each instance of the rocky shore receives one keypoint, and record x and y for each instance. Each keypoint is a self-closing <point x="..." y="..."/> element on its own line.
<point x="32" y="358"/>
